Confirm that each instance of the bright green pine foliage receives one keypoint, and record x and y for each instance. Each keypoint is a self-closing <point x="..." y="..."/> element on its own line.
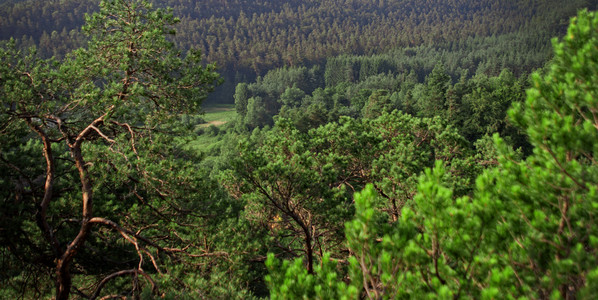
<point x="529" y="230"/>
<point x="554" y="250"/>
<point x="435" y="250"/>
<point x="291" y="280"/>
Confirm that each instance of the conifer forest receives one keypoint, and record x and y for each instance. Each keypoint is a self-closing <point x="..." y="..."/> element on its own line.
<point x="299" y="149"/>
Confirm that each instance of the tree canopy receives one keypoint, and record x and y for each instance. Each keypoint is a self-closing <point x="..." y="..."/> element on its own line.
<point x="528" y="230"/>
<point x="98" y="117"/>
<point x="390" y="156"/>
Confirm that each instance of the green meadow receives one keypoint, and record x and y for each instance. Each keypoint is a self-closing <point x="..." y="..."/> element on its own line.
<point x="215" y="116"/>
<point x="218" y="114"/>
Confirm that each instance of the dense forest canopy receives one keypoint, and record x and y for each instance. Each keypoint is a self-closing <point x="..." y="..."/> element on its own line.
<point x="254" y="36"/>
<point x="355" y="149"/>
<point x="248" y="38"/>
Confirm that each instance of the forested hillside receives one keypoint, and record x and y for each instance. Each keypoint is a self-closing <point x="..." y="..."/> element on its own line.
<point x="248" y="38"/>
<point x="357" y="149"/>
<point x="265" y="34"/>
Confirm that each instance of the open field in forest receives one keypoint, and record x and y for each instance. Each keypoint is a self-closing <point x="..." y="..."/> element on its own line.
<point x="218" y="114"/>
<point x="209" y="140"/>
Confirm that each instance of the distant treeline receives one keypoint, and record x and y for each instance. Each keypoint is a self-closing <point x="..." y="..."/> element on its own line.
<point x="476" y="106"/>
<point x="255" y="36"/>
<point x="351" y="39"/>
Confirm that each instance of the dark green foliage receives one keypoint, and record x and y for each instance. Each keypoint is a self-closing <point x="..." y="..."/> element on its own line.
<point x="111" y="194"/>
<point x="248" y="38"/>
<point x="258" y="102"/>
<point x="292" y="97"/>
<point x="241" y="99"/>
<point x="475" y="106"/>
<point x="377" y="103"/>
<point x="263" y="35"/>
<point x="483" y="108"/>
<point x="305" y="204"/>
<point x="431" y="98"/>
<point x="133" y="195"/>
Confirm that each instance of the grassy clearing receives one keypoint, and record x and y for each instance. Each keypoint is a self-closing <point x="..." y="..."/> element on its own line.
<point x="218" y="114"/>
